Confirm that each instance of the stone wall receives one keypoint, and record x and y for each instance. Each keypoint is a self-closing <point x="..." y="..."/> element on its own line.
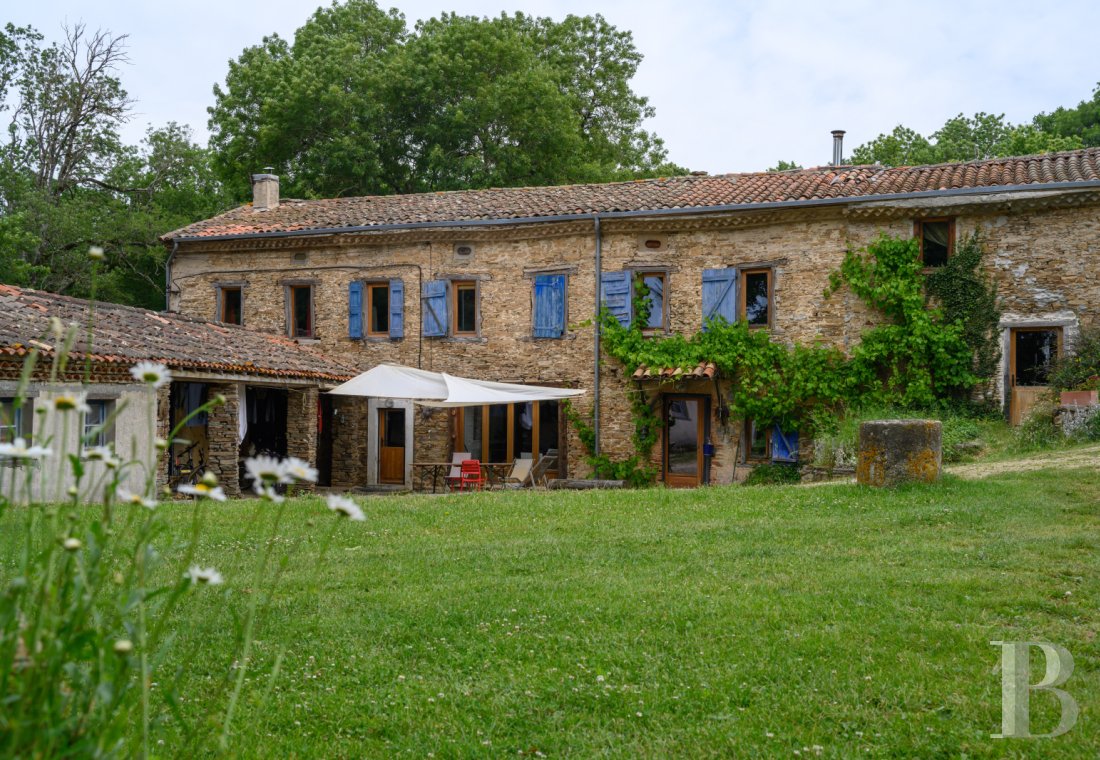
<point x="223" y="455"/>
<point x="301" y="426"/>
<point x="1040" y="257"/>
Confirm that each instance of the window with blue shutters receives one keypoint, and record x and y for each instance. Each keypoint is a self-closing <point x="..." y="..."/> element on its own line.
<point x="397" y="309"/>
<point x="433" y="309"/>
<point x="549" y="306"/>
<point x="355" y="309"/>
<point x="615" y="290"/>
<point x="784" y="445"/>
<point x="719" y="295"/>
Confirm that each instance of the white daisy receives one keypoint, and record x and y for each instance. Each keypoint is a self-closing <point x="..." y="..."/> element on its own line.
<point x="267" y="492"/>
<point x="71" y="544"/>
<point x="68" y="402"/>
<point x="124" y="646"/>
<point x="204" y="575"/>
<point x="18" y="449"/>
<point x="266" y="470"/>
<point x="203" y="490"/>
<point x="102" y="454"/>
<point x="154" y="373"/>
<point x="344" y="506"/>
<point x="300" y="470"/>
<point x="136" y="499"/>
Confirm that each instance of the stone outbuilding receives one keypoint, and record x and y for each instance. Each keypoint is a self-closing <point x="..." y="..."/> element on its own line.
<point x="272" y="388"/>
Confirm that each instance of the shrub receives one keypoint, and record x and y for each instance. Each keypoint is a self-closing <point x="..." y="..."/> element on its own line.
<point x="1079" y="369"/>
<point x="1038" y="430"/>
<point x="773" y="475"/>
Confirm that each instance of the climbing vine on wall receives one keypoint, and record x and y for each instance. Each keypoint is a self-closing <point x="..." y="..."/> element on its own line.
<point x="917" y="356"/>
<point x="968" y="295"/>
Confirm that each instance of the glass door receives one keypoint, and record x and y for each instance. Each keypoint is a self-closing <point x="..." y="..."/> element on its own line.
<point x="685" y="423"/>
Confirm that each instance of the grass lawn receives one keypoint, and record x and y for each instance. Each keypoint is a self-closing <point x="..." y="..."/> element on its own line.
<point x="831" y="621"/>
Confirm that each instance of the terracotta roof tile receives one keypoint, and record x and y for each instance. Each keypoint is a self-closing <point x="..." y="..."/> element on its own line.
<point x="125" y="335"/>
<point x="704" y="370"/>
<point x="839" y="183"/>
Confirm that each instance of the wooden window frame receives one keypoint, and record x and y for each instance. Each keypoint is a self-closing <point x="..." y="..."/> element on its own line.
<point x="456" y="286"/>
<point x="510" y="446"/>
<point x="748" y="457"/>
<point x="222" y="290"/>
<point x="641" y="274"/>
<point x="291" y="289"/>
<point x="918" y="233"/>
<point x="742" y="294"/>
<point x="107" y="435"/>
<point x="368" y="308"/>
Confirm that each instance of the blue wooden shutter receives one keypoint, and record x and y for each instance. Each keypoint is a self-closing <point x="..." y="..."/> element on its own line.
<point x="784" y="445"/>
<point x="433" y="309"/>
<point x="355" y="309"/>
<point x="719" y="295"/>
<point x="549" y="306"/>
<point x="397" y="309"/>
<point x="615" y="289"/>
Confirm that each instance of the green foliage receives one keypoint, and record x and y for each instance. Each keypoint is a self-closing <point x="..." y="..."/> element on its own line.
<point x="1078" y="369"/>
<point x="786" y="166"/>
<point x="964" y="138"/>
<point x="1038" y="430"/>
<point x="773" y="474"/>
<point x="968" y="297"/>
<point x="1081" y="123"/>
<point x="636" y="470"/>
<point x="359" y="105"/>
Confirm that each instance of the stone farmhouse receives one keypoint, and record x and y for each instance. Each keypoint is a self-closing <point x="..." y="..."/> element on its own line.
<point x="503" y="284"/>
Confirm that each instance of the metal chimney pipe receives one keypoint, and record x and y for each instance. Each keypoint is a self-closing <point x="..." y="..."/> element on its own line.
<point x="838" y="147"/>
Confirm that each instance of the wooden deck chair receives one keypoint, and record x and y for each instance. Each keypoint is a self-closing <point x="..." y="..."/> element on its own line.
<point x="546" y="463"/>
<point x="454" y="477"/>
<point x="520" y="475"/>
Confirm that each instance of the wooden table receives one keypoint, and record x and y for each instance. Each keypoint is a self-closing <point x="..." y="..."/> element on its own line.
<point x="495" y="473"/>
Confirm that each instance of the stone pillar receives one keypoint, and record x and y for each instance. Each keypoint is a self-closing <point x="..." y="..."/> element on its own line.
<point x="349" y="442"/>
<point x="222" y="429"/>
<point x="301" y="426"/>
<point x="899" y="451"/>
<point x="164" y="427"/>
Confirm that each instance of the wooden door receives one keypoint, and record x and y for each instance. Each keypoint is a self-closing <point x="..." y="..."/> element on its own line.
<point x="1031" y="351"/>
<point x="684" y="431"/>
<point x="391" y="445"/>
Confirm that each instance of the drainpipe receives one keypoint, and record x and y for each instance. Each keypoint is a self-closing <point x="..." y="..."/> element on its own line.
<point x="168" y="275"/>
<point x="596" y="357"/>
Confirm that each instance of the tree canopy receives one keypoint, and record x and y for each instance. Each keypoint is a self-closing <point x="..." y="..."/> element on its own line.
<point x="360" y="104"/>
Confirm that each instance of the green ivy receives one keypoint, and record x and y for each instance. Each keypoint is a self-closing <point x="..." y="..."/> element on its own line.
<point x="968" y="295"/>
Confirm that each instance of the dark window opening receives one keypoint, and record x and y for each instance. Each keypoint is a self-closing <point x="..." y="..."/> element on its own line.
<point x="96" y="431"/>
<point x="301" y="311"/>
<point x="937" y="241"/>
<point x="11" y="420"/>
<point x="1035" y="351"/>
<point x="378" y="307"/>
<point x="465" y="297"/>
<point x="231" y="306"/>
<point x="757" y="442"/>
<point x="655" y="285"/>
<point x="756" y="297"/>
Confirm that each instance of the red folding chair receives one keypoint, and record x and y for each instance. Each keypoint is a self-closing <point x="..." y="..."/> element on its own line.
<point x="471" y="476"/>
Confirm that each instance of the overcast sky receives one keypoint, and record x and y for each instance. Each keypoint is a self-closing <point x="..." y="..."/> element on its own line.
<point x="737" y="85"/>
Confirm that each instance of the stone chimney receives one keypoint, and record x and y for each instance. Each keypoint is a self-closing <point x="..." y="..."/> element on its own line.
<point x="838" y="150"/>
<point x="265" y="191"/>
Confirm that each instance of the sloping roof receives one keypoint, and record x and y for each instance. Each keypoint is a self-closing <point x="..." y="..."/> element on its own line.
<point x="824" y="183"/>
<point x="125" y="335"/>
<point x="701" y="371"/>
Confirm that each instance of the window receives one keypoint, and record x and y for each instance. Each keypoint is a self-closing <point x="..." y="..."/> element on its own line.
<point x="757" y="442"/>
<point x="654" y="285"/>
<point x="465" y="308"/>
<point x="937" y="240"/>
<point x="300" y="310"/>
<point x="755" y="306"/>
<point x="96" y="431"/>
<point x="502" y="433"/>
<point x="378" y="309"/>
<point x="229" y="305"/>
<point x="14" y="420"/>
